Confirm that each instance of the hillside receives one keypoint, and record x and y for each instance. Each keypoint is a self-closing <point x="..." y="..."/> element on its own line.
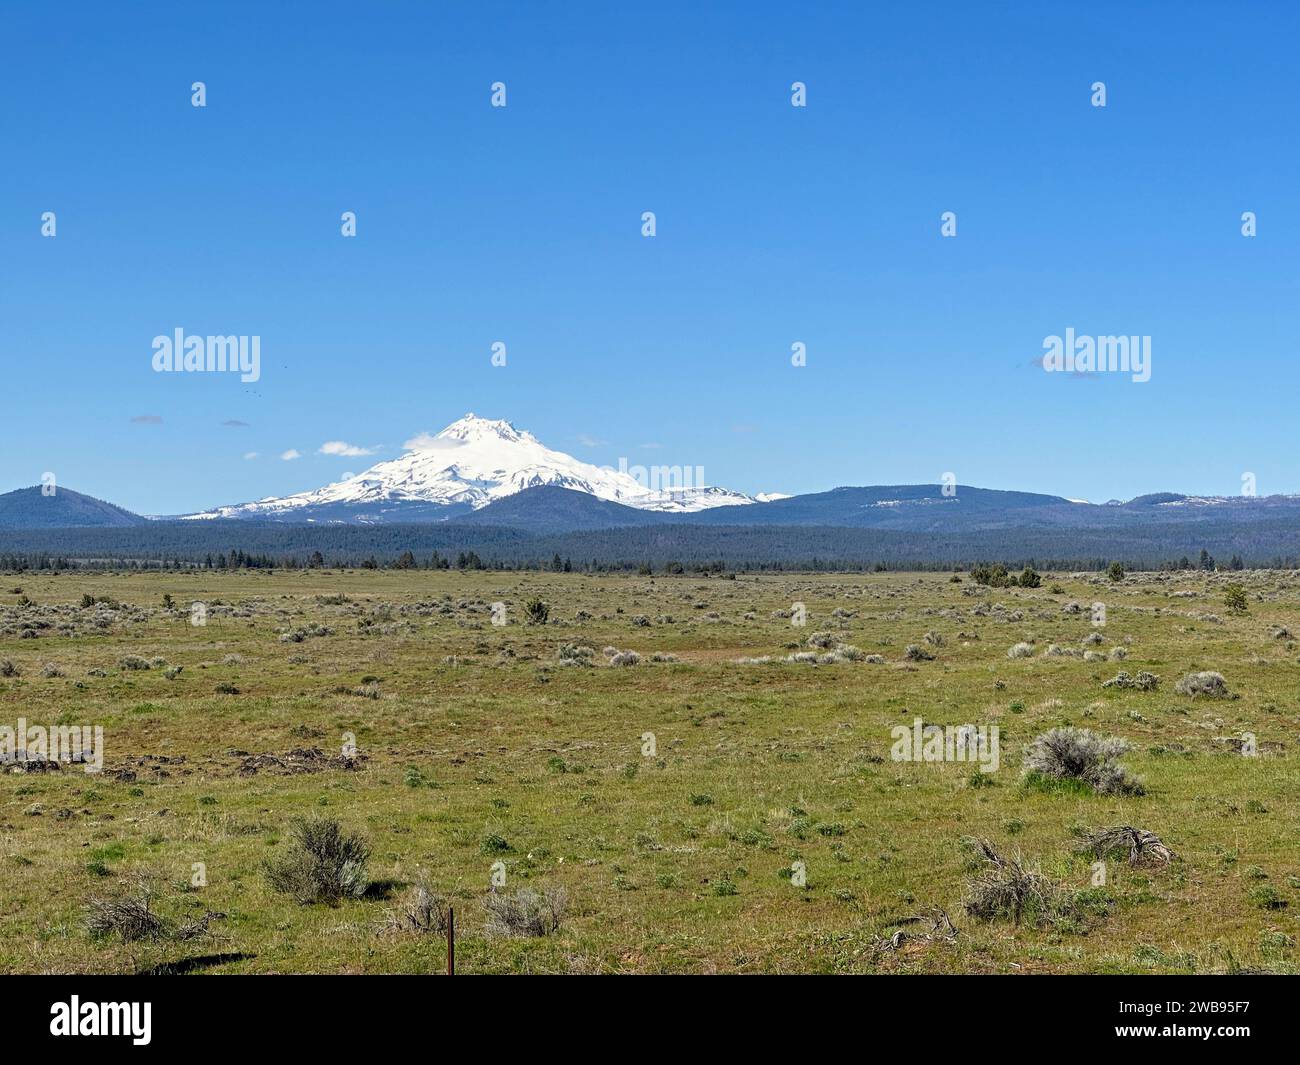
<point x="28" y="508"/>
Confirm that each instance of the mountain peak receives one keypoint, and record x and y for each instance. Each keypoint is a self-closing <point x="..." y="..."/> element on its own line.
<point x="472" y="427"/>
<point x="471" y="463"/>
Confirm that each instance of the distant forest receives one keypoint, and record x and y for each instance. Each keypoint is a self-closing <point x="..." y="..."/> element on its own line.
<point x="659" y="548"/>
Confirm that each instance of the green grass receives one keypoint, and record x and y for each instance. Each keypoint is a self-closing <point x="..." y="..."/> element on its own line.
<point x="477" y="747"/>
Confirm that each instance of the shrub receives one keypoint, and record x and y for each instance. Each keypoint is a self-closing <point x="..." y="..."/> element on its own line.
<point x="915" y="653"/>
<point x="1021" y="650"/>
<point x="1029" y="579"/>
<point x="1234" y="598"/>
<point x="1079" y="754"/>
<point x="1002" y="888"/>
<point x="132" y="662"/>
<point x="625" y="658"/>
<point x="1115" y="571"/>
<point x="8" y="669"/>
<point x="536" y="611"/>
<point x="128" y="915"/>
<point x="423" y="911"/>
<point x="1137" y="846"/>
<point x="1266" y="897"/>
<point x="1211" y="685"/>
<point x="1144" y="681"/>
<point x="323" y="864"/>
<point x="575" y="655"/>
<point x="526" y="912"/>
<point x="992" y="576"/>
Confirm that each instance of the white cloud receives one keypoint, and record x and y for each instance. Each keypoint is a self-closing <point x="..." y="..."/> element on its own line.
<point x="587" y="440"/>
<point x="290" y="455"/>
<point x="342" y="447"/>
<point x="430" y="442"/>
<point x="250" y="454"/>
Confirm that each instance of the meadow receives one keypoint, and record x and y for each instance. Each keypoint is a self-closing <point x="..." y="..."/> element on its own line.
<point x="710" y="803"/>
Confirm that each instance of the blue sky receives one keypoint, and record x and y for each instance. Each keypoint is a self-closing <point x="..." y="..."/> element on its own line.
<point x="775" y="224"/>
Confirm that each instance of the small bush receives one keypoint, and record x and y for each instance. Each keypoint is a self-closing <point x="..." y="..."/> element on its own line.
<point x="493" y="843"/>
<point x="526" y="912"/>
<point x="1211" y="685"/>
<point x="8" y="669"/>
<point x="1234" y="598"/>
<point x="536" y="611"/>
<point x="994" y="576"/>
<point x="1266" y="897"/>
<point x="1021" y="650"/>
<point x="1080" y="755"/>
<point x="323" y="864"/>
<point x="128" y="916"/>
<point x="423" y="911"/>
<point x="915" y="653"/>
<point x="1137" y="846"/>
<point x="1144" y="681"/>
<point x="1002" y="888"/>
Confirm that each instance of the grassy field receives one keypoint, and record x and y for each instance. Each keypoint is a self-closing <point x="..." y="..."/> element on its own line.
<point x="476" y="745"/>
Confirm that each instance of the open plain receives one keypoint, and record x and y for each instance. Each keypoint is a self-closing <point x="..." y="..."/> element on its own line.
<point x="725" y="799"/>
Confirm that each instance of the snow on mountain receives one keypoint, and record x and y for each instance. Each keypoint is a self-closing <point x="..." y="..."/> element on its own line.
<point x="475" y="461"/>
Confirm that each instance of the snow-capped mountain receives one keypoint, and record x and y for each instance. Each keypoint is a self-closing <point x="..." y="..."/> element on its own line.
<point x="471" y="463"/>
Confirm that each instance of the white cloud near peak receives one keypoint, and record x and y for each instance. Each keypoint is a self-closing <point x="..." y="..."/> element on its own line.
<point x="342" y="447"/>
